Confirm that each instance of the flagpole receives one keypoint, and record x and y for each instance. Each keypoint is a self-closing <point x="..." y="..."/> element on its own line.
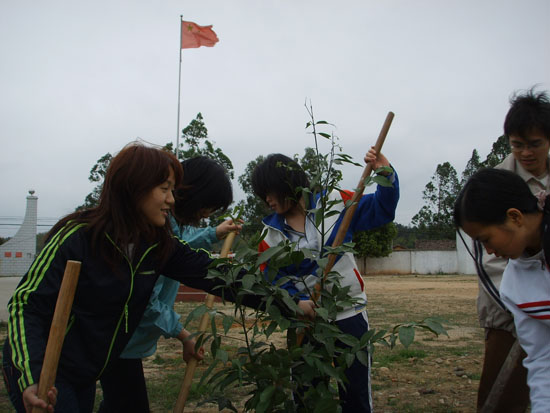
<point x="179" y="94"/>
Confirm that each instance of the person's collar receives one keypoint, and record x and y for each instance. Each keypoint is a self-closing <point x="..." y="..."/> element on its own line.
<point x="527" y="176"/>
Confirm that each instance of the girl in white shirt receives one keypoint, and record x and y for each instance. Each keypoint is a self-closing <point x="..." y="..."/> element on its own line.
<point x="497" y="208"/>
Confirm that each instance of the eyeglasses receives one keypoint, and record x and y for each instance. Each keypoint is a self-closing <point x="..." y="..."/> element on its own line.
<point x="520" y="146"/>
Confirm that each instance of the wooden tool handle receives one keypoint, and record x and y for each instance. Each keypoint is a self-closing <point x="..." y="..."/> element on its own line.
<point x="57" y="330"/>
<point x="499" y="385"/>
<point x="192" y="364"/>
<point x="348" y="215"/>
<point x="350" y="211"/>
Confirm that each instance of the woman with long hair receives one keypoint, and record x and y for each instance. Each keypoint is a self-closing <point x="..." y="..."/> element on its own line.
<point x="124" y="244"/>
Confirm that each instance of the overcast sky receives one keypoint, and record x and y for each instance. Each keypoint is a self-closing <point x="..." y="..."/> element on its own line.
<point x="79" y="79"/>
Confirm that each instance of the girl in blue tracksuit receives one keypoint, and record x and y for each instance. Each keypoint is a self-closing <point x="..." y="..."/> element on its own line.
<point x="276" y="181"/>
<point x="205" y="188"/>
<point x="124" y="244"/>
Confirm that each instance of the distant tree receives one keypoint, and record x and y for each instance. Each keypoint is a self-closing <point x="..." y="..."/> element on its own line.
<point x="376" y="242"/>
<point x="97" y="175"/>
<point x="311" y="162"/>
<point x="500" y="150"/>
<point x="196" y="143"/>
<point x="471" y="167"/>
<point x="3" y="240"/>
<point x="253" y="208"/>
<point x="406" y="235"/>
<point x="435" y="217"/>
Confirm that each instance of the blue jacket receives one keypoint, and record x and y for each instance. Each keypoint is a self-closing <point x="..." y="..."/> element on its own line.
<point x="373" y="210"/>
<point x="159" y="318"/>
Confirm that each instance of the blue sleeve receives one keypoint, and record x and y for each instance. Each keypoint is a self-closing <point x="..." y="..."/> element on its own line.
<point x="199" y="237"/>
<point x="159" y="319"/>
<point x="160" y="312"/>
<point x="377" y="209"/>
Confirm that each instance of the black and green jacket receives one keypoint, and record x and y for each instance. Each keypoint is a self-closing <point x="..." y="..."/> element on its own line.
<point x="107" y="307"/>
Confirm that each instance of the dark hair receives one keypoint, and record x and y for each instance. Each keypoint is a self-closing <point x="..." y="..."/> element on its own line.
<point x="281" y="176"/>
<point x="132" y="174"/>
<point x="489" y="193"/>
<point x="529" y="113"/>
<point x="205" y="184"/>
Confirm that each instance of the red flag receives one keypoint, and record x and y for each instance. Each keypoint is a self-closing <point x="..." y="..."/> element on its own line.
<point x="193" y="35"/>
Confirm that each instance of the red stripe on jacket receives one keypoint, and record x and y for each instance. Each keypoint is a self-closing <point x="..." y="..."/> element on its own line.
<point x="359" y="278"/>
<point x="534" y="304"/>
<point x="261" y="248"/>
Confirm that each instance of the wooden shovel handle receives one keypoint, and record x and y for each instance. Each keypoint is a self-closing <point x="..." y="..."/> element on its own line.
<point x="192" y="364"/>
<point x="57" y="330"/>
<point x="350" y="211"/>
<point x="348" y="215"/>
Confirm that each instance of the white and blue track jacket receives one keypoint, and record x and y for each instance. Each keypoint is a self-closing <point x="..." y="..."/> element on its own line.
<point x="373" y="210"/>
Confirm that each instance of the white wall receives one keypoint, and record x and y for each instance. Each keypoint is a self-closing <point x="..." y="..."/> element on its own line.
<point x="465" y="261"/>
<point x="422" y="262"/>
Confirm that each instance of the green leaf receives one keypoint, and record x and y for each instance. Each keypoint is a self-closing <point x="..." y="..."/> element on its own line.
<point x="325" y="135"/>
<point x="270" y="329"/>
<point x="265" y="398"/>
<point x="222" y="355"/>
<point x="363" y="357"/>
<point x="435" y="326"/>
<point x="406" y="335"/>
<point x="227" y="322"/>
<point x="382" y="181"/>
<point x="350" y="358"/>
<point x="248" y="281"/>
<point x="323" y="312"/>
<point x="266" y="255"/>
<point x="348" y="339"/>
<point x="196" y="313"/>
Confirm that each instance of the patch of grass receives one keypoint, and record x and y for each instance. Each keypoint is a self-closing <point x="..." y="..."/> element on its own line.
<point x="409" y="407"/>
<point x="474" y="376"/>
<point x="164" y="393"/>
<point x="386" y="357"/>
<point x="167" y="361"/>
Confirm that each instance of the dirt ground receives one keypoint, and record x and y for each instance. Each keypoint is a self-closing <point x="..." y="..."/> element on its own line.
<point x="447" y="377"/>
<point x="435" y="374"/>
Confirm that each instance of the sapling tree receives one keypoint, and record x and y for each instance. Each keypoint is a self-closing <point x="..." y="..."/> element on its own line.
<point x="306" y="372"/>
